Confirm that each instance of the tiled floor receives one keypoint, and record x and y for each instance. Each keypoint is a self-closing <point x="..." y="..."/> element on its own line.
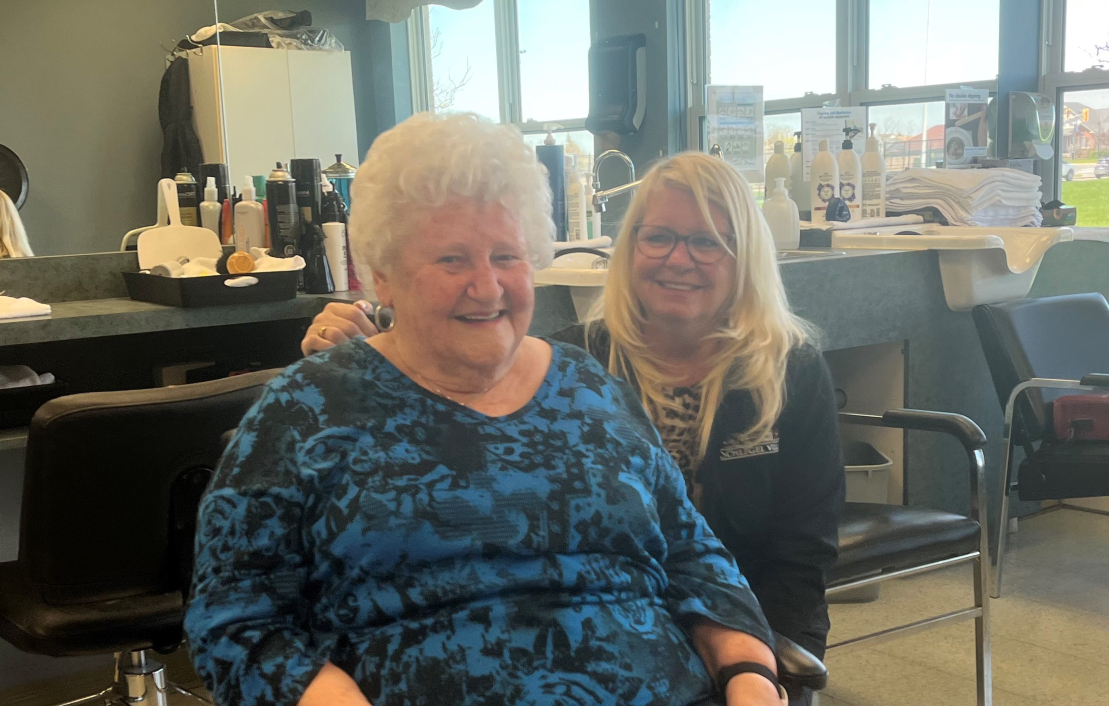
<point x="1050" y="632"/>
<point x="1050" y="627"/>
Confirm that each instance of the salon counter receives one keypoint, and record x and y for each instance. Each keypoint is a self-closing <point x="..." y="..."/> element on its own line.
<point x="93" y="318"/>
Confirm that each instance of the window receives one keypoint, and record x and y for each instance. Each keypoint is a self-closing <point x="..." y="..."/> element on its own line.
<point x="754" y="43"/>
<point x="516" y="61"/>
<point x="464" y="60"/>
<point x="928" y="42"/>
<point x="554" y="59"/>
<point x="1084" y="169"/>
<point x="1076" y="59"/>
<point x="1087" y="35"/>
<point x="911" y="134"/>
<point x="896" y="57"/>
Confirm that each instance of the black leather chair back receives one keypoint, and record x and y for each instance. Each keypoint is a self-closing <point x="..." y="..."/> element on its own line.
<point x="1053" y="337"/>
<point x="112" y="483"/>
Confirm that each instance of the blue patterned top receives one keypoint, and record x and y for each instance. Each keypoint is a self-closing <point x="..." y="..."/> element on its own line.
<point x="441" y="556"/>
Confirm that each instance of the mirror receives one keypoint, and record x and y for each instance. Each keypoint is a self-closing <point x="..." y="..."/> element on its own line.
<point x="301" y="85"/>
<point x="79" y="98"/>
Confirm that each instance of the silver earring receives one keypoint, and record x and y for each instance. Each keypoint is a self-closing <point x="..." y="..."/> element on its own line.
<point x="385" y="318"/>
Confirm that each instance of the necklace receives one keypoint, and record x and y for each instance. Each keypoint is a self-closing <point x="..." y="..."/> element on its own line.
<point x="439" y="391"/>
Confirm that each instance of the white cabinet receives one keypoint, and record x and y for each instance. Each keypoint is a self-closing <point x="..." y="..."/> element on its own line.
<point x="277" y="105"/>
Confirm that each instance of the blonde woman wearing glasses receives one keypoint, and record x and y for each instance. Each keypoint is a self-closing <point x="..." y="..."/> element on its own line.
<point x="695" y="316"/>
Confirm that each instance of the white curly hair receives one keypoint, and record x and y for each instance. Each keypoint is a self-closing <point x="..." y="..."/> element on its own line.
<point x="427" y="160"/>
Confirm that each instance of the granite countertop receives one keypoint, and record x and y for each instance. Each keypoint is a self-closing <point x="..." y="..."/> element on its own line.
<point x="93" y="318"/>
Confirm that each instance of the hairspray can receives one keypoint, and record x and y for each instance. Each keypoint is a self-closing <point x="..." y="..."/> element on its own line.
<point x="188" y="198"/>
<point x="284" y="215"/>
<point x="306" y="173"/>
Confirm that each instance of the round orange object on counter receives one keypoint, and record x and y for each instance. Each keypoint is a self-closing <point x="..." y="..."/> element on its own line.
<point x="240" y="263"/>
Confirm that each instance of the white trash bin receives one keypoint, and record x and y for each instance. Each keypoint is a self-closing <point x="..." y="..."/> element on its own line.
<point x="868" y="481"/>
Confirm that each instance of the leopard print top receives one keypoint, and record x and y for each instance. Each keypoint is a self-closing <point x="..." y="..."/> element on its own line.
<point x="679" y="434"/>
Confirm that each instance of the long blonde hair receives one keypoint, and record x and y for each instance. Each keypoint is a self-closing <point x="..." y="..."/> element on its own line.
<point x="757" y="329"/>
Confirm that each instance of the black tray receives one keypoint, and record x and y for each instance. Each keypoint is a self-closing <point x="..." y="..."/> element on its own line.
<point x="19" y="404"/>
<point x="191" y="292"/>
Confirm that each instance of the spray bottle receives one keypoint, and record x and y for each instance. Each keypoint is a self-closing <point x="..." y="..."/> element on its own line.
<point x="210" y="207"/>
<point x="850" y="172"/>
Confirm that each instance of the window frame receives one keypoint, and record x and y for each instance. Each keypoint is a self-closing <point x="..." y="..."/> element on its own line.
<point x="506" y="14"/>
<point x="1055" y="82"/>
<point x="852" y="68"/>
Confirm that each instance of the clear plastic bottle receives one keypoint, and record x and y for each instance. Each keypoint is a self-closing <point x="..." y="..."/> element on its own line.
<point x="776" y="166"/>
<point x="250" y="220"/>
<point x="781" y="215"/>
<point x="874" y="178"/>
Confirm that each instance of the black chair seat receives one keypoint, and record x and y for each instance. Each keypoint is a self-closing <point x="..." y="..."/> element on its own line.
<point x="1065" y="470"/>
<point x="874" y="537"/>
<point x="152" y="621"/>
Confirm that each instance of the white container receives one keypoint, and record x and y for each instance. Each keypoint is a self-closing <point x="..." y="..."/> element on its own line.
<point x="868" y="473"/>
<point x="210" y="208"/>
<point x="850" y="174"/>
<point x="873" y="198"/>
<point x="777" y="166"/>
<point x="335" y="249"/>
<point x="577" y="227"/>
<point x="798" y="187"/>
<point x="782" y="217"/>
<point x="250" y="220"/>
<point x="824" y="182"/>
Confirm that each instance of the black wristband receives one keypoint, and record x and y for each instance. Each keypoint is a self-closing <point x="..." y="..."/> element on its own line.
<point x="725" y="674"/>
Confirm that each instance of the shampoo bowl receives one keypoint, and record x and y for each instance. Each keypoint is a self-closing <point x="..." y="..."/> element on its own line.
<point x="978" y="265"/>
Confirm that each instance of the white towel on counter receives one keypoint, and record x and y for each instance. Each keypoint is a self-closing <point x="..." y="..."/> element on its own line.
<point x="22" y="376"/>
<point x="12" y="308"/>
<point x="969" y="197"/>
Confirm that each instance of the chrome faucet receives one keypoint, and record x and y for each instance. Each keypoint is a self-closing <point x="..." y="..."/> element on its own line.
<point x="600" y="198"/>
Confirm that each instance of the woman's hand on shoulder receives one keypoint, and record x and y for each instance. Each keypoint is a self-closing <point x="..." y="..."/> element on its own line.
<point x="338" y="323"/>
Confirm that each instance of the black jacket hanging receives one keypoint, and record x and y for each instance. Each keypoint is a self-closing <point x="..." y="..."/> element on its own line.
<point x="180" y="146"/>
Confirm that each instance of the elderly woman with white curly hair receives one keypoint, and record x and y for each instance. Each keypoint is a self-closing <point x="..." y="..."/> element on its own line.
<point x="454" y="512"/>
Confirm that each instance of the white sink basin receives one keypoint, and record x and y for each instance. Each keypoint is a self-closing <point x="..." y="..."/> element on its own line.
<point x="583" y="273"/>
<point x="978" y="265"/>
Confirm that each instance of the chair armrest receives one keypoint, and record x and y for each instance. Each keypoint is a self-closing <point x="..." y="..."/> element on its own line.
<point x="1096" y="380"/>
<point x="969" y="434"/>
<point x="797" y="667"/>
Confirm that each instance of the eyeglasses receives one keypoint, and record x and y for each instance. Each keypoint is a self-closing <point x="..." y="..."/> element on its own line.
<point x="703" y="248"/>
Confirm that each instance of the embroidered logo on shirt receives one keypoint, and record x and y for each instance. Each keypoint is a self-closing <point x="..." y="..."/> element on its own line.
<point x="735" y="446"/>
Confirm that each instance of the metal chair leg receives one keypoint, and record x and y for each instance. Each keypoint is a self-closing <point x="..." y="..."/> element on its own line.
<point x="983" y="659"/>
<point x="1003" y="516"/>
<point x="103" y="694"/>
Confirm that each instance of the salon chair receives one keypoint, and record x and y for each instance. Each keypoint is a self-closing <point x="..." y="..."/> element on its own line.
<point x="1038" y="350"/>
<point x="110" y="492"/>
<point x="879" y="543"/>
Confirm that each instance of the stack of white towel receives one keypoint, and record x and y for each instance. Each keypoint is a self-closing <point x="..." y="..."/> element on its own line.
<point x="969" y="197"/>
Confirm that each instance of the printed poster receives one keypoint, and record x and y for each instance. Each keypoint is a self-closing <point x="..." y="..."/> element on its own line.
<point x="966" y="127"/>
<point x="827" y="124"/>
<point x="735" y="123"/>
